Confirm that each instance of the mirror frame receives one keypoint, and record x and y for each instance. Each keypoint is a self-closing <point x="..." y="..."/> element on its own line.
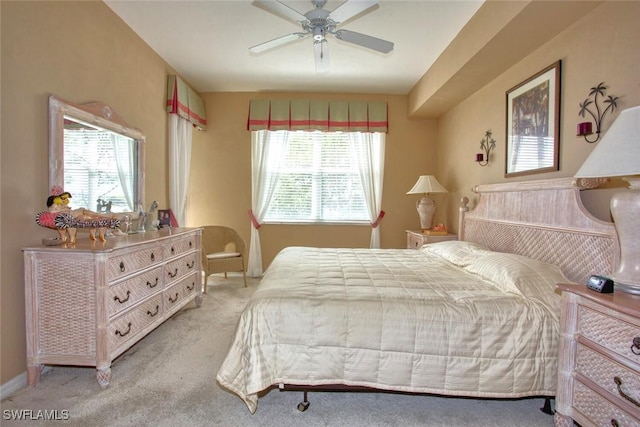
<point x="98" y="114"/>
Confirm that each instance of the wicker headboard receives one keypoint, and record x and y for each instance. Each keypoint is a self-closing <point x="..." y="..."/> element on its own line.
<point x="542" y="219"/>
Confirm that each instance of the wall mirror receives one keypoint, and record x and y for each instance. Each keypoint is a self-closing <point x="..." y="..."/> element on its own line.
<point x="96" y="157"/>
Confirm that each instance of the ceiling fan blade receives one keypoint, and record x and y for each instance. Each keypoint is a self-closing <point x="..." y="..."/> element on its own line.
<point x="276" y="42"/>
<point x="280" y="9"/>
<point x="321" y="51"/>
<point x="350" y="9"/>
<point x="364" y="40"/>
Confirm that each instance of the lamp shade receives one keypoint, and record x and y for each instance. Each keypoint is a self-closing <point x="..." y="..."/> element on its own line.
<point x="618" y="152"/>
<point x="427" y="184"/>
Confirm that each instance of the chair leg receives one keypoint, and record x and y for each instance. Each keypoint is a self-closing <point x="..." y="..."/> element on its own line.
<point x="244" y="275"/>
<point x="205" y="276"/>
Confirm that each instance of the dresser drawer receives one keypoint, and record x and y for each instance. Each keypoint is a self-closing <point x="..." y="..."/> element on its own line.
<point x="130" y="291"/>
<point x="180" y="267"/>
<point x="180" y="291"/>
<point x="134" y="321"/>
<point x="602" y="371"/>
<point x="609" y="332"/>
<point x="125" y="264"/>
<point x="179" y="246"/>
<point x="598" y="410"/>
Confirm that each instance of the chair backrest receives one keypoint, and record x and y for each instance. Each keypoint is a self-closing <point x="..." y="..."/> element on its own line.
<point x="218" y="238"/>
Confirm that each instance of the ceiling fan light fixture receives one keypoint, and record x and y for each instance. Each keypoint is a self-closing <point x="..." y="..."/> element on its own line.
<point x="318" y="34"/>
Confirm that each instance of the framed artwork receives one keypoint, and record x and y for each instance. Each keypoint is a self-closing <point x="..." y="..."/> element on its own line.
<point x="164" y="217"/>
<point x="533" y="124"/>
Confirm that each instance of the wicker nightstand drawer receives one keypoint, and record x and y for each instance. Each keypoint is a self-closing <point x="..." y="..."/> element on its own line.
<point x="602" y="371"/>
<point x="609" y="332"/>
<point x="597" y="410"/>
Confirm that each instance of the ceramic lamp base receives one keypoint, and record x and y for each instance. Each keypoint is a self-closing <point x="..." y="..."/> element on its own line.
<point x="625" y="209"/>
<point x="426" y="210"/>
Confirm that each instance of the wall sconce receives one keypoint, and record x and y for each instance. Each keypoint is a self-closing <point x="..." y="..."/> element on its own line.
<point x="585" y="128"/>
<point x="486" y="144"/>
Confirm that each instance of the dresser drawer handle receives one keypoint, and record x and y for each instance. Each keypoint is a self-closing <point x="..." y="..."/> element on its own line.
<point x="193" y="285"/>
<point x="618" y="382"/>
<point x="152" y="285"/>
<point x="174" y="274"/>
<point x="153" y="257"/>
<point x="172" y="300"/>
<point x="173" y="251"/>
<point x="125" y="333"/>
<point x="156" y="312"/>
<point x="122" y="269"/>
<point x="122" y="301"/>
<point x="635" y="347"/>
<point x="614" y="423"/>
<point x="190" y="265"/>
<point x="190" y="244"/>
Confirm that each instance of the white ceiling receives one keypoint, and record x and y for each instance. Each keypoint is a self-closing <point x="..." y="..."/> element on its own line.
<point x="208" y="41"/>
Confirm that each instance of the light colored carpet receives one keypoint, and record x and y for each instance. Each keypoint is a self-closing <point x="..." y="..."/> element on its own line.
<point x="168" y="379"/>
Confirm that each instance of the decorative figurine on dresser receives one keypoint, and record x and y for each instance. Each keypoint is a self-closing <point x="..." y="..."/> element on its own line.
<point x="598" y="358"/>
<point x="67" y="221"/>
<point x="86" y="304"/>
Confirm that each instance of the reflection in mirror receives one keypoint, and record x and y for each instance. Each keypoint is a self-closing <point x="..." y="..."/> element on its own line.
<point x="95" y="156"/>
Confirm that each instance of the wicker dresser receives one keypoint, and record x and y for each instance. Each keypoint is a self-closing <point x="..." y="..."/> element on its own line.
<point x="88" y="303"/>
<point x="599" y="359"/>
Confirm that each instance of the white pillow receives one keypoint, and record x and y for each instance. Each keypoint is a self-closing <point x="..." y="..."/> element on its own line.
<point x="517" y="274"/>
<point x="456" y="252"/>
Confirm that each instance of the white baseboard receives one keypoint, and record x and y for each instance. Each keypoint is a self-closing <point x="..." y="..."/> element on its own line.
<point x="13" y="385"/>
<point x="17" y="383"/>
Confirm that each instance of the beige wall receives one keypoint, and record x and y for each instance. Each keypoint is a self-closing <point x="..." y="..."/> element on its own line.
<point x="82" y="52"/>
<point x="601" y="47"/>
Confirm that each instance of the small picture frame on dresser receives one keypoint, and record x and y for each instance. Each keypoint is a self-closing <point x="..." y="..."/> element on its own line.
<point x="164" y="217"/>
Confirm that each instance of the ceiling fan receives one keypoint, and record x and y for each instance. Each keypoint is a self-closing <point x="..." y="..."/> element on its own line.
<point x="319" y="22"/>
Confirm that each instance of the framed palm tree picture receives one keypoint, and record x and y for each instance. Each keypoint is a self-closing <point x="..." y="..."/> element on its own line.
<point x="533" y="124"/>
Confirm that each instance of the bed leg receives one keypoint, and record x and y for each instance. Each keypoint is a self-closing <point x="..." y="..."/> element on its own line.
<point x="547" y="406"/>
<point x="304" y="405"/>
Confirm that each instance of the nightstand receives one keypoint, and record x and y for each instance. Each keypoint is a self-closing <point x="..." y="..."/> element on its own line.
<point x="598" y="358"/>
<point x="416" y="238"/>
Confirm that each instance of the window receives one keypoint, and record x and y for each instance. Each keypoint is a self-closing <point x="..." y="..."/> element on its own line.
<point x="98" y="166"/>
<point x="318" y="177"/>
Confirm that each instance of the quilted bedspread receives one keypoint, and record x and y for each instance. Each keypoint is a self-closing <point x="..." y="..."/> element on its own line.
<point x="451" y="318"/>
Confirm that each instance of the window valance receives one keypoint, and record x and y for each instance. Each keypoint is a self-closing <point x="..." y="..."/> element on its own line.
<point x="185" y="102"/>
<point x="347" y="116"/>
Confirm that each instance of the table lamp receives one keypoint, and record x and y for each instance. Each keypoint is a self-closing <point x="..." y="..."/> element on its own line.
<point x="618" y="155"/>
<point x="426" y="208"/>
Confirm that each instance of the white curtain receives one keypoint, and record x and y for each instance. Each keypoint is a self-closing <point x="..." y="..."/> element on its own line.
<point x="265" y="147"/>
<point x="368" y="153"/>
<point x="180" y="136"/>
<point x="124" y="148"/>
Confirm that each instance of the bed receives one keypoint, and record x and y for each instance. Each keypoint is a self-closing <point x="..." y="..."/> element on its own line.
<point x="478" y="317"/>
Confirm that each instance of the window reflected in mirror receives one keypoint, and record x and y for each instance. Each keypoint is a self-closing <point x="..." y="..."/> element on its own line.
<point x="99" y="167"/>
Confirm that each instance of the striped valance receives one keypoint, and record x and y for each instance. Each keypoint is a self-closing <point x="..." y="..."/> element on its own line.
<point x="185" y="102"/>
<point x="348" y="116"/>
